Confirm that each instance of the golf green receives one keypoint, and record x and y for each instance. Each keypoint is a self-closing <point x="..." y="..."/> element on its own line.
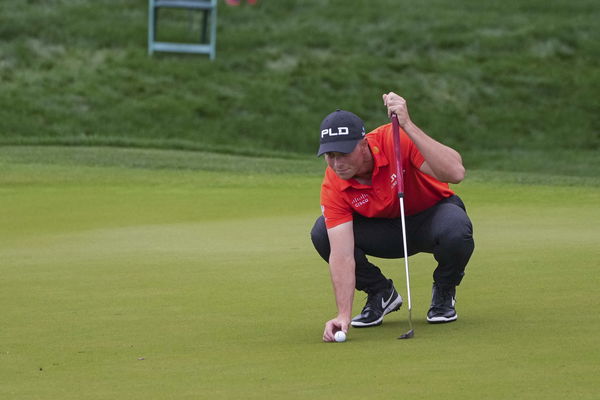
<point x="125" y="279"/>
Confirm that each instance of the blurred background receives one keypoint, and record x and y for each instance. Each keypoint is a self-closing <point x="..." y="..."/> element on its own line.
<point x="512" y="85"/>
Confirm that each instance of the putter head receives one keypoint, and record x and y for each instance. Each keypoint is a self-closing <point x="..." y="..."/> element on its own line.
<point x="408" y="334"/>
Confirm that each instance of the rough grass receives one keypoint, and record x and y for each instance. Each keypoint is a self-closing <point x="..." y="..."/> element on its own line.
<point x="489" y="79"/>
<point x="124" y="279"/>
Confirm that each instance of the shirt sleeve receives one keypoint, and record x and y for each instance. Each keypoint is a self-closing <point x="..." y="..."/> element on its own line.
<point x="415" y="156"/>
<point x="408" y="148"/>
<point x="335" y="210"/>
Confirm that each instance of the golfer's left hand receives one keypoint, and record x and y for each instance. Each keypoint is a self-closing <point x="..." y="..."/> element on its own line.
<point x="396" y="105"/>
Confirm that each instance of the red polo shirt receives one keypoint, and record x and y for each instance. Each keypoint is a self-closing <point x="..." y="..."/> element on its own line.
<point x="340" y="198"/>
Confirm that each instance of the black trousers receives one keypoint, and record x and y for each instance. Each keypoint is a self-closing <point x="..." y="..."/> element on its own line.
<point x="443" y="230"/>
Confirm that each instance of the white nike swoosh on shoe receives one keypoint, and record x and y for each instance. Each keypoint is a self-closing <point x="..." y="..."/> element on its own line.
<point x="384" y="304"/>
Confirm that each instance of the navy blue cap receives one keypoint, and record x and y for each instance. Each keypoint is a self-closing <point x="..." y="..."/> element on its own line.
<point x="340" y="132"/>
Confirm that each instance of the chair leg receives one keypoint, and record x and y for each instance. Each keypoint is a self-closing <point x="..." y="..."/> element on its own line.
<point x="151" y="26"/>
<point x="213" y="33"/>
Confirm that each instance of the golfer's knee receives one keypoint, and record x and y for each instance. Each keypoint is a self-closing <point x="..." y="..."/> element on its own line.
<point x="319" y="238"/>
<point x="458" y="236"/>
<point x="455" y="247"/>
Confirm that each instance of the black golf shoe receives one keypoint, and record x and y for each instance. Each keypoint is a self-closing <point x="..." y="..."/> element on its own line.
<point x="442" y="309"/>
<point x="378" y="305"/>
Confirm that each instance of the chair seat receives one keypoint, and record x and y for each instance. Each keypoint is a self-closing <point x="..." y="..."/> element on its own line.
<point x="189" y="4"/>
<point x="182" y="47"/>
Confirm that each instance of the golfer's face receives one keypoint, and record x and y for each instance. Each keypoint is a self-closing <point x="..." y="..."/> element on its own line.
<point x="344" y="165"/>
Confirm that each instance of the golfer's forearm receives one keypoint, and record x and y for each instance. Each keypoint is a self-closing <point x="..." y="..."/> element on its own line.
<point x="343" y="280"/>
<point x="445" y="162"/>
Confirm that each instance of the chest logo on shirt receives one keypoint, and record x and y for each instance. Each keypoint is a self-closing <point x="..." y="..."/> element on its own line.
<point x="393" y="180"/>
<point x="360" y="200"/>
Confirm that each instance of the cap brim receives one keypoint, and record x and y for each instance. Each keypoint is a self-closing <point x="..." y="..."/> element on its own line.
<point x="338" y="147"/>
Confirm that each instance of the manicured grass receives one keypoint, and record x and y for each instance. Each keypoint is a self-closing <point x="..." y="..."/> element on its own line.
<point x="142" y="273"/>
<point x="511" y="85"/>
<point x="132" y="280"/>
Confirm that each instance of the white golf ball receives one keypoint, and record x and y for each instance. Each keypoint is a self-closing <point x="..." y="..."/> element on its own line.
<point x="340" y="336"/>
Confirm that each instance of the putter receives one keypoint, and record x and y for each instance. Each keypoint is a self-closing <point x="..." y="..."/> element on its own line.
<point x="400" y="189"/>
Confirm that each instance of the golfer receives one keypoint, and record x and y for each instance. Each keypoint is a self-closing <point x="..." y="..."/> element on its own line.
<point x="361" y="214"/>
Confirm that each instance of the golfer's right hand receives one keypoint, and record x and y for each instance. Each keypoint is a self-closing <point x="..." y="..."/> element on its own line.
<point x="334" y="325"/>
<point x="396" y="105"/>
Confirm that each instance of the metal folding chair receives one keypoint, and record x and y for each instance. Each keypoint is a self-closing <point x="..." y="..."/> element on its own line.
<point x="208" y="40"/>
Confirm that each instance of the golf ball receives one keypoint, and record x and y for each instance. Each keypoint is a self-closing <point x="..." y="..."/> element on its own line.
<point x="340" y="336"/>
